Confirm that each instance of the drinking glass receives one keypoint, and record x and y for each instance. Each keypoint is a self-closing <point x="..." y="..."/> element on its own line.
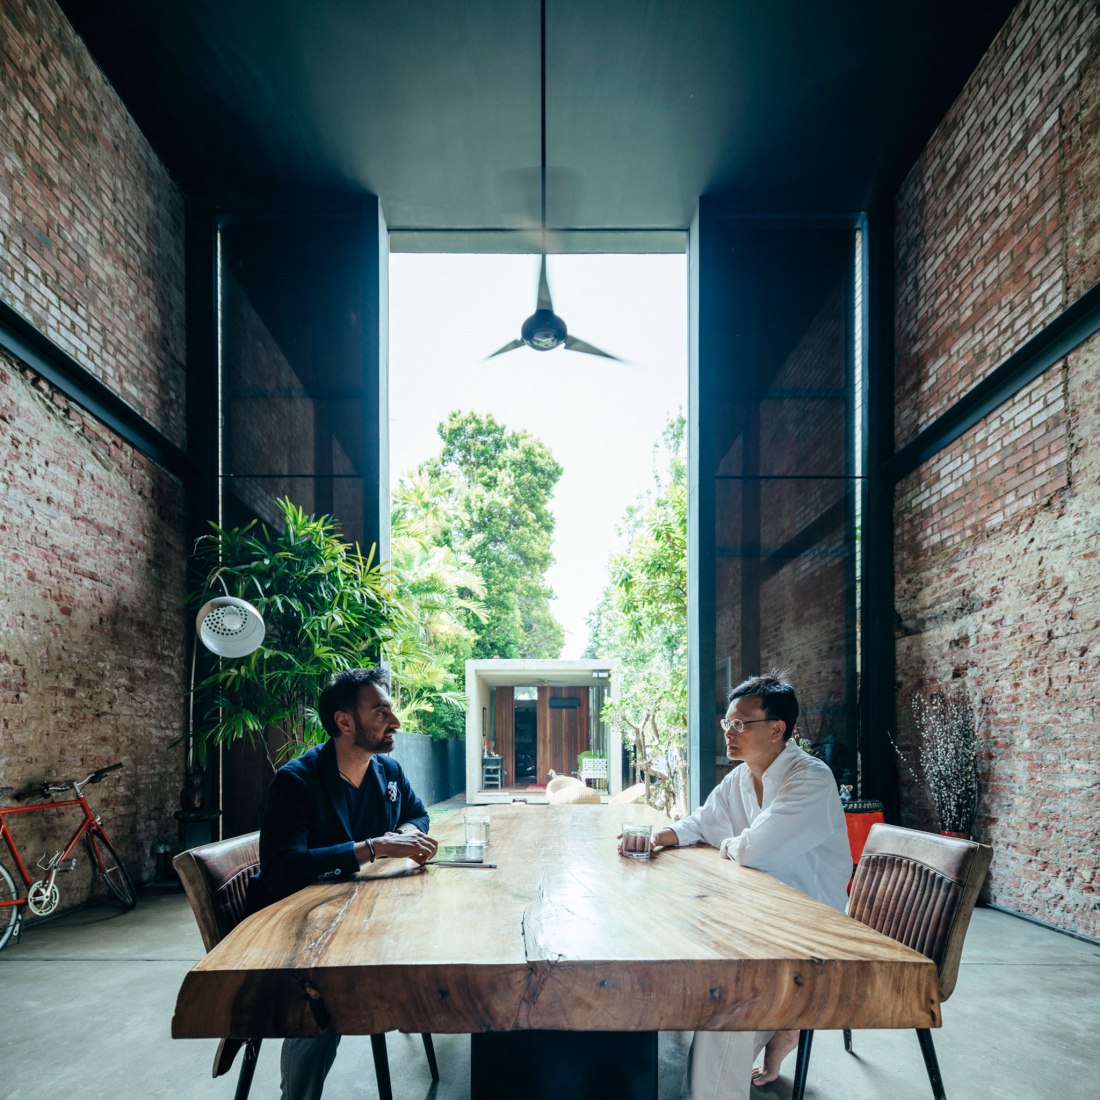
<point x="637" y="841"/>
<point x="477" y="828"/>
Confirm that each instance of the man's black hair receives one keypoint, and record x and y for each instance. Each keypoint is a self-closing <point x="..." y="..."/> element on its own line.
<point x="777" y="697"/>
<point x="342" y="693"/>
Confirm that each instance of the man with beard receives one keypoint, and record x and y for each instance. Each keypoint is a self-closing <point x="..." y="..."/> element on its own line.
<point x="328" y="813"/>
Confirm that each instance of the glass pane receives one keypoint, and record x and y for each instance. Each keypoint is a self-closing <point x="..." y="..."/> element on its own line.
<point x="786" y="484"/>
<point x="293" y="404"/>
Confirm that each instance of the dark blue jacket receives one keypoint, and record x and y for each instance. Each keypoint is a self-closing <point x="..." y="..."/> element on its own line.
<point x="305" y="833"/>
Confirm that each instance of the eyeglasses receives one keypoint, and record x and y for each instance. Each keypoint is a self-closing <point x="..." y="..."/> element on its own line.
<point x="738" y="726"/>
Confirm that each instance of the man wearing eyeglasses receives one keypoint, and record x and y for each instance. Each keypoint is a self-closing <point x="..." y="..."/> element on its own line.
<point x="780" y="813"/>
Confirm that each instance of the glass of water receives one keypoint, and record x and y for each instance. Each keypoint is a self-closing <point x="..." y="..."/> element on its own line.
<point x="477" y="828"/>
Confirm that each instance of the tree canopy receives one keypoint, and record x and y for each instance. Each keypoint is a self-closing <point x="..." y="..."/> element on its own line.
<point x="440" y="592"/>
<point x="496" y="486"/>
<point x="642" y="620"/>
<point x="470" y="547"/>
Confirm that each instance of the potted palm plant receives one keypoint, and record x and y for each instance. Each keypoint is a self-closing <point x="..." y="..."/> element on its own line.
<point x="326" y="607"/>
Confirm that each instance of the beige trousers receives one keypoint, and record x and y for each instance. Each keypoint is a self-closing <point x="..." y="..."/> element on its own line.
<point x="719" y="1064"/>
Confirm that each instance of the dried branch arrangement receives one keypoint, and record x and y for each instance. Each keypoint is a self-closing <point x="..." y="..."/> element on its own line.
<point x="947" y="754"/>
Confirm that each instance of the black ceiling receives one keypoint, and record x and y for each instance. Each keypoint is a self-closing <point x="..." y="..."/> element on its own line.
<point x="434" y="105"/>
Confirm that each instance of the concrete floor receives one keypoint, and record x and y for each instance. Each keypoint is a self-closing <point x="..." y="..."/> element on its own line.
<point x="88" y="998"/>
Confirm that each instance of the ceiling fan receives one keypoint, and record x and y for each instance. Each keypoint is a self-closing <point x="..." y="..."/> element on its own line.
<point x="544" y="330"/>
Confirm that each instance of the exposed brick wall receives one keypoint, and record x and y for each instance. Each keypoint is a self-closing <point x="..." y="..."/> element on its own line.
<point x="998" y="223"/>
<point x="92" y="589"/>
<point x="91" y="546"/>
<point x="1014" y="461"/>
<point x="997" y="572"/>
<point x="91" y="225"/>
<point x="1010" y="607"/>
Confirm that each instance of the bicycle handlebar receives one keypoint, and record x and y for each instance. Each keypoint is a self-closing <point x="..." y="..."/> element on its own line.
<point x="100" y="774"/>
<point x="53" y="786"/>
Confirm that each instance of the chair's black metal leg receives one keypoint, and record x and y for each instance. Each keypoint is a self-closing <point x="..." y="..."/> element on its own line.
<point x="848" y="1039"/>
<point x="248" y="1068"/>
<point x="802" y="1066"/>
<point x="381" y="1066"/>
<point x="429" y="1050"/>
<point x="930" y="1063"/>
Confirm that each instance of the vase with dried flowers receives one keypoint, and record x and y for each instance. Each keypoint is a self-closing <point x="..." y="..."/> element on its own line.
<point x="947" y="755"/>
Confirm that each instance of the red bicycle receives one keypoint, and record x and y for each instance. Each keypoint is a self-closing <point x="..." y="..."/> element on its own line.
<point x="42" y="895"/>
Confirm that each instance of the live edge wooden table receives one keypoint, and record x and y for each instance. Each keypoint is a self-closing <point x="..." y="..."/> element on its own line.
<point x="563" y="962"/>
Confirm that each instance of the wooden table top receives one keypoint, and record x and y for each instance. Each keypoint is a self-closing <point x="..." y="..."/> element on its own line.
<point x="563" y="935"/>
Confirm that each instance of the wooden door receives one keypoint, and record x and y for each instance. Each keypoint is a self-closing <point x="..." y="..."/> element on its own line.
<point x="506" y="732"/>
<point x="562" y="733"/>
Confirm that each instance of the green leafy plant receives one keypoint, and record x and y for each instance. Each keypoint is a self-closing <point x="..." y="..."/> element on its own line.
<point x="642" y="621"/>
<point x="496" y="486"/>
<point x="326" y="608"/>
<point x="442" y="593"/>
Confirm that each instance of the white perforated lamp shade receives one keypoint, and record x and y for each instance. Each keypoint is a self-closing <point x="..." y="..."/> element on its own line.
<point x="230" y="627"/>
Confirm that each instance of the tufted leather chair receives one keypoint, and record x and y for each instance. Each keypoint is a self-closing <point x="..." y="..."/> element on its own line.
<point x="919" y="889"/>
<point x="216" y="878"/>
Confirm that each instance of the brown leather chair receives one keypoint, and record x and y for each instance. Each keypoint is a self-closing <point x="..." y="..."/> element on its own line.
<point x="216" y="877"/>
<point x="919" y="889"/>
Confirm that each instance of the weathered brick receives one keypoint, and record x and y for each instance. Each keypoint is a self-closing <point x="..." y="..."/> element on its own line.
<point x="92" y="570"/>
<point x="996" y="572"/>
<point x="1016" y="199"/>
<point x="106" y="282"/>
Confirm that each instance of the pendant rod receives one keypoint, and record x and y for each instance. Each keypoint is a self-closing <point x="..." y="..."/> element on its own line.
<point x="542" y="119"/>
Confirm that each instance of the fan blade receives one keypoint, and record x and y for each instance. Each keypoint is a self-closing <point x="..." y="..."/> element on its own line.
<point x="573" y="344"/>
<point x="510" y="346"/>
<point x="544" y="288"/>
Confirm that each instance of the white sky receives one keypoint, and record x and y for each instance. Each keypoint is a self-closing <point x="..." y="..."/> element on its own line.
<point x="599" y="418"/>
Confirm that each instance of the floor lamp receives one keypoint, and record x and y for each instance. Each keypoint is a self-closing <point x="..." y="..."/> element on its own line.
<point x="228" y="627"/>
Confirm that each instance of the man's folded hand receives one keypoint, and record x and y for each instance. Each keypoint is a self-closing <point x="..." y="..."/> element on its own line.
<point x="415" y="846"/>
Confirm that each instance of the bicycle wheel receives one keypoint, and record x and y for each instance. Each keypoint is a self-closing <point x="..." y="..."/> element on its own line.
<point x="9" y="914"/>
<point x="110" y="867"/>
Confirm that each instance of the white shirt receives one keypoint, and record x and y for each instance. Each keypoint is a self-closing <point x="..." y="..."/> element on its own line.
<point x="797" y="835"/>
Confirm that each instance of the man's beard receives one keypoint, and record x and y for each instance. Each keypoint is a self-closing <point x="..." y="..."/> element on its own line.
<point x="362" y="740"/>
